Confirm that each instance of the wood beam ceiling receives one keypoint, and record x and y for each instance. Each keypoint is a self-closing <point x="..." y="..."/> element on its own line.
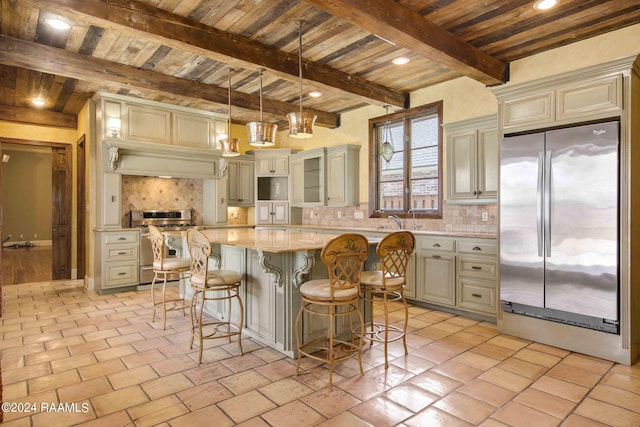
<point x="157" y="25"/>
<point x="404" y="27"/>
<point x="46" y="59"/>
<point x="11" y="113"/>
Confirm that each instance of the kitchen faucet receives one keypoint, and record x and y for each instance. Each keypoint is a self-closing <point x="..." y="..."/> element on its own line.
<point x="396" y="220"/>
<point x="413" y="221"/>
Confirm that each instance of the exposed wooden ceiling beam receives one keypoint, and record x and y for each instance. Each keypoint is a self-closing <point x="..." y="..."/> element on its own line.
<point x="9" y="113"/>
<point x="46" y="59"/>
<point x="154" y="24"/>
<point x="404" y="27"/>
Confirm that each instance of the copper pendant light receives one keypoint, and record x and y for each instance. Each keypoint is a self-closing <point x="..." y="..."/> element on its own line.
<point x="230" y="146"/>
<point x="301" y="123"/>
<point x="262" y="134"/>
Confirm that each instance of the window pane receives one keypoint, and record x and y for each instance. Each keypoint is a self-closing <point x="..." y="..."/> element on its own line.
<point x="424" y="194"/>
<point x="424" y="163"/>
<point x="390" y="196"/>
<point x="424" y="132"/>
<point x="393" y="170"/>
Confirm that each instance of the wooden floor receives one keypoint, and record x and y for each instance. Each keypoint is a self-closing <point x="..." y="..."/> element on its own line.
<point x="26" y="265"/>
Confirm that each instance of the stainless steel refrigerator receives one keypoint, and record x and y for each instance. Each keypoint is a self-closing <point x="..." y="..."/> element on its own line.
<point x="559" y="225"/>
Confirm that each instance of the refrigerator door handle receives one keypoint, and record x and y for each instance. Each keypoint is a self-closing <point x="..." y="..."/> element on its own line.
<point x="547" y="205"/>
<point x="539" y="205"/>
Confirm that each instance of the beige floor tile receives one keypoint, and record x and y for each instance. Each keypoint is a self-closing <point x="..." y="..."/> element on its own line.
<point x="381" y="412"/>
<point x="246" y="406"/>
<point x="623" y="381"/>
<point x="434" y="417"/>
<point x="85" y="390"/>
<point x="46" y="356"/>
<point x="120" y="418"/>
<point x="293" y="414"/>
<point x="202" y="417"/>
<point x="134" y="376"/>
<point x="615" y="396"/>
<point x="537" y="357"/>
<point x="15" y="392"/>
<point x="72" y="362"/>
<point x="157" y="411"/>
<point x="483" y="329"/>
<point x="277" y="369"/>
<point x="487" y="392"/>
<point x="88" y="347"/>
<point x="411" y="397"/>
<point x="465" y="407"/>
<point x="244" y="381"/>
<point x="517" y="415"/>
<point x="560" y="388"/>
<point x="554" y="351"/>
<point x="505" y="379"/>
<point x="318" y="378"/>
<point x="330" y="403"/>
<point x="204" y="394"/>
<point x="523" y="368"/>
<point x="166" y="385"/>
<point x="101" y="369"/>
<point x="118" y="400"/>
<point x="125" y="339"/>
<point x="574" y="420"/>
<point x="137" y="359"/>
<point x="607" y="414"/>
<point x="436" y="383"/>
<point x="63" y="418"/>
<point x="476" y="360"/>
<point x="457" y="371"/>
<point x="207" y="372"/>
<point x="544" y="402"/>
<point x="345" y="419"/>
<point x="53" y="381"/>
<point x="173" y="365"/>
<point x="509" y="342"/>
<point x="433" y="353"/>
<point x="574" y="375"/>
<point x="495" y="351"/>
<point x="591" y="364"/>
<point x="285" y="391"/>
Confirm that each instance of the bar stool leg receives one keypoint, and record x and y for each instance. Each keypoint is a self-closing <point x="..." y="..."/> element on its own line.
<point x="241" y="323"/>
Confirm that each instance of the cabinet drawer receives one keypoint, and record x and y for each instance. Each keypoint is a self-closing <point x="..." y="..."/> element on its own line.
<point x="436" y="244"/>
<point x="120" y="274"/>
<point x="477" y="267"/>
<point x="477" y="295"/>
<point x="129" y="237"/>
<point x="121" y="252"/>
<point x="478" y="247"/>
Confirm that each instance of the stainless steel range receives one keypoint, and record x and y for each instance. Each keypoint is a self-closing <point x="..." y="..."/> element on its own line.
<point x="166" y="220"/>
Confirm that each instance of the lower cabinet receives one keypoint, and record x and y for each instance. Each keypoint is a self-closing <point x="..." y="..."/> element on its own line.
<point x="272" y="213"/>
<point x="460" y="273"/>
<point x="119" y="253"/>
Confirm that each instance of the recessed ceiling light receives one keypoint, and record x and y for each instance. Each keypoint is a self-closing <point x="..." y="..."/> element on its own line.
<point x="401" y="60"/>
<point x="38" y="102"/>
<point x="315" y="94"/>
<point x="58" y="23"/>
<point x="544" y="4"/>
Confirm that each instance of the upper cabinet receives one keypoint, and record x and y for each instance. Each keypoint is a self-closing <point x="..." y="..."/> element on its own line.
<point x="308" y="178"/>
<point x="152" y="122"/>
<point x="241" y="181"/>
<point x="472" y="160"/>
<point x="272" y="162"/>
<point x="342" y="166"/>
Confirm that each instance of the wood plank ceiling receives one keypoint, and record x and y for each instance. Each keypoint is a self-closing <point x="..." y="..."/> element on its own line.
<point x="180" y="51"/>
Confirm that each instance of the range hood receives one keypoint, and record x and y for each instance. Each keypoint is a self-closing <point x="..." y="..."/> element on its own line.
<point x="149" y="159"/>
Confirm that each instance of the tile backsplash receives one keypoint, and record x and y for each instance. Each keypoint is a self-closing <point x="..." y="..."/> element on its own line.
<point x="146" y="192"/>
<point x="455" y="218"/>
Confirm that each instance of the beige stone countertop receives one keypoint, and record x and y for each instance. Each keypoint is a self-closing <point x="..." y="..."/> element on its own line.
<point x="267" y="239"/>
<point x="418" y="232"/>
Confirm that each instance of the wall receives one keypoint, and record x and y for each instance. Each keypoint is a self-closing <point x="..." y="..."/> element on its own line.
<point x="463" y="99"/>
<point x="26" y="193"/>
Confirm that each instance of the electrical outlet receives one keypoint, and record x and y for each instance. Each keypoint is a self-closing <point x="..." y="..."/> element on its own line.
<point x="485" y="216"/>
<point x="339" y="214"/>
<point x="358" y="215"/>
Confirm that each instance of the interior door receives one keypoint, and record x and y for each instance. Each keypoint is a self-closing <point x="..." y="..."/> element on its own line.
<point x="61" y="212"/>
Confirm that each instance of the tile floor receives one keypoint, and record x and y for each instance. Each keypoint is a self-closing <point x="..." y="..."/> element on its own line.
<point x="62" y="344"/>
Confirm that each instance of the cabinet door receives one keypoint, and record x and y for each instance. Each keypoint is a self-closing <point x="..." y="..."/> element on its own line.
<point x="297" y="182"/>
<point x="280" y="211"/>
<point x="435" y="278"/>
<point x="233" y="173"/>
<point x="111" y="191"/>
<point x="461" y="151"/>
<point x="263" y="213"/>
<point x="488" y="164"/>
<point x="260" y="300"/>
<point x="190" y="130"/>
<point x="245" y="183"/>
<point x="280" y="165"/>
<point x="410" y="286"/>
<point x="336" y="162"/>
<point x="147" y="124"/>
<point x="264" y="165"/>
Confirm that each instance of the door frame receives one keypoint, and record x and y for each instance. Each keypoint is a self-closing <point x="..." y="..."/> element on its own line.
<point x="81" y="198"/>
<point x="69" y="215"/>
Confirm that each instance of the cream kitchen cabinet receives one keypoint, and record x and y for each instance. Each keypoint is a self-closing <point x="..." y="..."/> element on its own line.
<point x="436" y="270"/>
<point x="241" y="182"/>
<point x="118" y="252"/>
<point x="276" y="213"/>
<point x="342" y="168"/>
<point x="472" y="160"/>
<point x="477" y="284"/>
<point x="308" y="178"/>
<point x="272" y="162"/>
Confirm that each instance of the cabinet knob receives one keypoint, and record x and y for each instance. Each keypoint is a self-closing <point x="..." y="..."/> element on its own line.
<point x="122" y="238"/>
<point x="436" y="245"/>
<point x="122" y="253"/>
<point x="476" y="295"/>
<point x="122" y="273"/>
<point x="475" y="193"/>
<point x="479" y="192"/>
<point x="475" y="267"/>
<point x="435" y="256"/>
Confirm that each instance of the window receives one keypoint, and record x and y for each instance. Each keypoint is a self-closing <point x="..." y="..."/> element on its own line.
<point x="411" y="181"/>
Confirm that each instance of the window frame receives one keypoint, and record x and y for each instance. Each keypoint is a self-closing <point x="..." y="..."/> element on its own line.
<point x="376" y="124"/>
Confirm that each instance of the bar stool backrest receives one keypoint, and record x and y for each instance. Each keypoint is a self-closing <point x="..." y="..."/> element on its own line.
<point x="199" y="252"/>
<point x="157" y="246"/>
<point x="344" y="256"/>
<point x="394" y="251"/>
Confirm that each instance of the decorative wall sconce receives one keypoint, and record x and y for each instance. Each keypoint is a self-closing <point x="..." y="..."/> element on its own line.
<point x="114" y="125"/>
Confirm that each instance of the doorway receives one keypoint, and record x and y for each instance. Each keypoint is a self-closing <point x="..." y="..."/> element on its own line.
<point x="36" y="203"/>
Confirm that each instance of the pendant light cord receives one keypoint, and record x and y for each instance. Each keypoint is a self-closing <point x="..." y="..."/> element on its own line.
<point x="300" y="60"/>
<point x="260" y="74"/>
<point x="229" y="98"/>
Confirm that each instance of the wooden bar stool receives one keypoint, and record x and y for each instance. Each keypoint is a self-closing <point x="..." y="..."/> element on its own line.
<point x="211" y="285"/>
<point x="165" y="266"/>
<point x="334" y="298"/>
<point x="394" y="251"/>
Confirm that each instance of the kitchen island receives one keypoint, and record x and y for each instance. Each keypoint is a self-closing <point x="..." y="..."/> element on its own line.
<point x="274" y="263"/>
